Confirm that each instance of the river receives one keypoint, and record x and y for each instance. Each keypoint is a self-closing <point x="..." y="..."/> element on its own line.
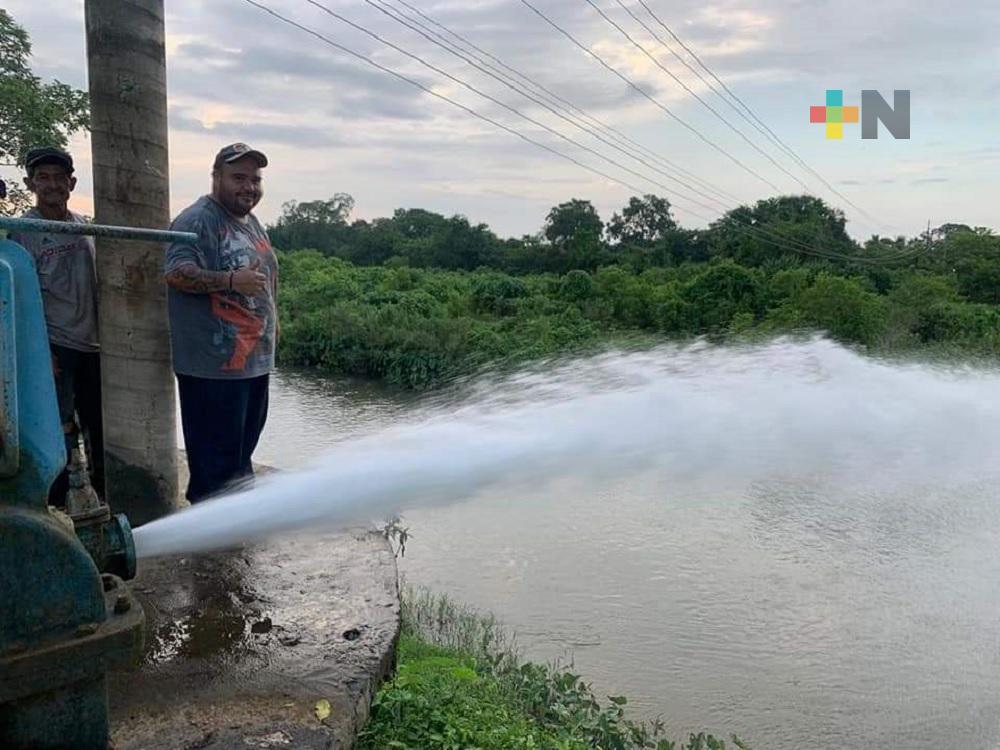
<point x="794" y="610"/>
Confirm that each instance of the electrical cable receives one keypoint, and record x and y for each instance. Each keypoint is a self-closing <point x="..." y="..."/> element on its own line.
<point x="503" y="79"/>
<point x="570" y="106"/>
<point x="742" y="226"/>
<point x="438" y="40"/>
<point x="761" y="126"/>
<point x="650" y="97"/>
<point x="693" y="93"/>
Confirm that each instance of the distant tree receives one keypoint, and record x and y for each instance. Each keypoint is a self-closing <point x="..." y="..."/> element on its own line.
<point x="778" y="228"/>
<point x="584" y="251"/>
<point x="460" y="245"/>
<point x="320" y="225"/>
<point x="372" y="244"/>
<point x="949" y="230"/>
<point x="566" y="219"/>
<point x="527" y="254"/>
<point x="643" y="221"/>
<point x="32" y="113"/>
<point x="974" y="257"/>
<point x="416" y="223"/>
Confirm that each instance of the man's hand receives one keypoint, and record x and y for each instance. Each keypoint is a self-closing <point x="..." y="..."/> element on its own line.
<point x="193" y="280"/>
<point x="250" y="281"/>
<point x="189" y="278"/>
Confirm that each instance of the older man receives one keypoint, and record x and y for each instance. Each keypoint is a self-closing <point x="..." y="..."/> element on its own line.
<point x="68" y="279"/>
<point x="223" y="323"/>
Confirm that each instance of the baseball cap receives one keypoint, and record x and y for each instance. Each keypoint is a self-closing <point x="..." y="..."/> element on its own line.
<point x="47" y="155"/>
<point x="235" y="152"/>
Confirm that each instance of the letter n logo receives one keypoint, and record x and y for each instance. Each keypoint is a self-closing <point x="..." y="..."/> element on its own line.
<point x="875" y="109"/>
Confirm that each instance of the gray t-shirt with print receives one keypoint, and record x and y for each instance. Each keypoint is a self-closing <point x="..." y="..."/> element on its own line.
<point x="222" y="335"/>
<point x="68" y="279"/>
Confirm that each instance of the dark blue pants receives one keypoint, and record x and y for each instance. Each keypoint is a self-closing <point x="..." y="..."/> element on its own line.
<point x="78" y="391"/>
<point x="222" y="422"/>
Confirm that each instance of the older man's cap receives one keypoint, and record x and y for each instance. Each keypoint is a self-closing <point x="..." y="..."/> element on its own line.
<point x="38" y="157"/>
<point x="235" y="152"/>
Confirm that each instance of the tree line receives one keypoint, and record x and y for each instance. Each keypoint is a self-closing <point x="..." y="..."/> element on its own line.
<point x="782" y="232"/>
<point x="429" y="307"/>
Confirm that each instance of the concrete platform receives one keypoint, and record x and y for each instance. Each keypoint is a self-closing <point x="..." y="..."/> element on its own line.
<point x="242" y="646"/>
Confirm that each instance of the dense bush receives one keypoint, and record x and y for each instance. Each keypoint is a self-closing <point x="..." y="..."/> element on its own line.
<point x="419" y="327"/>
<point x="395" y="299"/>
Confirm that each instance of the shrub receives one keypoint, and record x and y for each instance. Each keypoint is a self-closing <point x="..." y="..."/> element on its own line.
<point x="720" y="292"/>
<point x="495" y="293"/>
<point x="576" y="286"/>
<point x="843" y="308"/>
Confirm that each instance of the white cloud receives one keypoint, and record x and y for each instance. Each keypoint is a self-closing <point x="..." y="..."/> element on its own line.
<point x="331" y="123"/>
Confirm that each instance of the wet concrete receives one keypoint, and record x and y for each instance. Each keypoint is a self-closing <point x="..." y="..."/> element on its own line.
<point x="244" y="649"/>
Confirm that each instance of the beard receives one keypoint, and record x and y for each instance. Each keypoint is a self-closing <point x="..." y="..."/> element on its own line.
<point x="240" y="204"/>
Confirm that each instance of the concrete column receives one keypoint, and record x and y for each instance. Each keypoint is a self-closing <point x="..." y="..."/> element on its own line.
<point x="128" y="91"/>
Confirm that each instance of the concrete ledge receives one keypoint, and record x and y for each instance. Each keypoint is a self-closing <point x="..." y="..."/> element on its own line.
<point x="241" y="646"/>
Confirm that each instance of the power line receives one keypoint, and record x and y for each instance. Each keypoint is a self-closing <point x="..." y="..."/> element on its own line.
<point x="688" y="89"/>
<point x="711" y="86"/>
<point x="506" y="80"/>
<point x="764" y="235"/>
<point x="570" y="106"/>
<point x="442" y="97"/>
<point x="642" y="91"/>
<point x="648" y="96"/>
<point x="708" y="70"/>
<point x="752" y="119"/>
<point x="760" y="124"/>
<point x="494" y="100"/>
<point x="338" y="16"/>
<point x="503" y="79"/>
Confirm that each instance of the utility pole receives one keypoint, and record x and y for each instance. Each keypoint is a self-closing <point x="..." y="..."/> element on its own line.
<point x="128" y="94"/>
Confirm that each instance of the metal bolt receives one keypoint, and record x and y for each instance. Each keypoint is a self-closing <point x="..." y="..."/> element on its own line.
<point x="122" y="604"/>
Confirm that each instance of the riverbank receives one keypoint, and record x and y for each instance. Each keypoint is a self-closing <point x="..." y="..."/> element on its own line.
<point x="461" y="683"/>
<point x="420" y="327"/>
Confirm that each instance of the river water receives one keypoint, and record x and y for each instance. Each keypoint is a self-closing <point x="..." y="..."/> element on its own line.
<point x="797" y="607"/>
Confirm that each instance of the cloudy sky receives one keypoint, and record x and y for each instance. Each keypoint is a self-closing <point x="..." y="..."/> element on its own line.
<point x="331" y="123"/>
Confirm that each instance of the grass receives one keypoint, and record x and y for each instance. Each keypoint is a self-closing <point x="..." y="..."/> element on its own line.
<point x="461" y="685"/>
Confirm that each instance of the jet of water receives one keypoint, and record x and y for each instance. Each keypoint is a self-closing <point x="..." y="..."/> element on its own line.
<point x="784" y="409"/>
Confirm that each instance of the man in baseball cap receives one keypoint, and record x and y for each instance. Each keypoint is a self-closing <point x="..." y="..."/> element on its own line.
<point x="223" y="323"/>
<point x="236" y="151"/>
<point x="68" y="279"/>
<point x="38" y="157"/>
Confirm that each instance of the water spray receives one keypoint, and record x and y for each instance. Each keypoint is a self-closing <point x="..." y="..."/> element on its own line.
<point x="787" y="408"/>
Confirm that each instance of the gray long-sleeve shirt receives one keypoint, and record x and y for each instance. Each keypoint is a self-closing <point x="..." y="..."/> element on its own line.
<point x="68" y="279"/>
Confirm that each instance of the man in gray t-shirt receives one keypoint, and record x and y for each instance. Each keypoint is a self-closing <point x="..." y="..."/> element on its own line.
<point x="223" y="322"/>
<point x="68" y="280"/>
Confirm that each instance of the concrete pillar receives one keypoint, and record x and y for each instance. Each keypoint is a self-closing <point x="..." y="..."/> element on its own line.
<point x="128" y="92"/>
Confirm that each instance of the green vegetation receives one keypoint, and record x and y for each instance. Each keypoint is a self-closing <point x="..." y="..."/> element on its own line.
<point x="32" y="112"/>
<point x="461" y="686"/>
<point x="441" y="298"/>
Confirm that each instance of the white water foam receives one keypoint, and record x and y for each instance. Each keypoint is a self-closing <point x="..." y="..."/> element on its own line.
<point x="785" y="409"/>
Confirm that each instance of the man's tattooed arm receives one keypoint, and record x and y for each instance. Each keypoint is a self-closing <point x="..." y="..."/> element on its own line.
<point x="189" y="278"/>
